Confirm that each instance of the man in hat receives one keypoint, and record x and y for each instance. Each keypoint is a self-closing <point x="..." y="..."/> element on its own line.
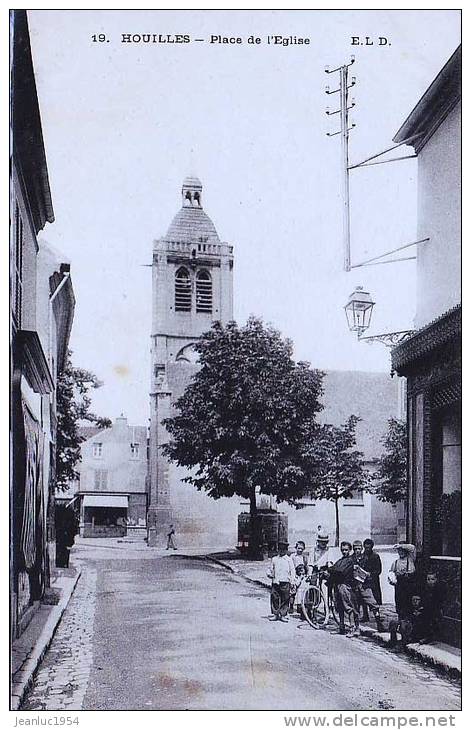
<point x="402" y="577"/>
<point x="362" y="584"/>
<point x="283" y="577"/>
<point x="319" y="556"/>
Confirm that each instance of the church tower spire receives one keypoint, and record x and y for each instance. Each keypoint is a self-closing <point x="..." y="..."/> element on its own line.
<point x="192" y="190"/>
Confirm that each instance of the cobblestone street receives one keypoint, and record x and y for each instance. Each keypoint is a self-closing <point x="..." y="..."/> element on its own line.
<point x="62" y="678"/>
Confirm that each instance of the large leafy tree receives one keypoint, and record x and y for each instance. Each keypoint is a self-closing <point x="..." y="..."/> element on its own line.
<point x="73" y="410"/>
<point x="391" y="476"/>
<point x="342" y="466"/>
<point x="247" y="421"/>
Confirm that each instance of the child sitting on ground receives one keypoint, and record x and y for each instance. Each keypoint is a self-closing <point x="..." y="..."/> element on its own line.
<point x="415" y="626"/>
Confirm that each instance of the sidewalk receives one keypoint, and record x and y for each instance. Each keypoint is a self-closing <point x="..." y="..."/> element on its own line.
<point x="442" y="656"/>
<point x="28" y="650"/>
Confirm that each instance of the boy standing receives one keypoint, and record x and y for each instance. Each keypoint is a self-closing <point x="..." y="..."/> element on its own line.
<point x="283" y="576"/>
<point x="372" y="563"/>
<point x="362" y="587"/>
<point x="298" y="556"/>
<point x="342" y="576"/>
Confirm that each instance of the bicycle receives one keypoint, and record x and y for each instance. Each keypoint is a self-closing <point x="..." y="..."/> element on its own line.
<point x="316" y="609"/>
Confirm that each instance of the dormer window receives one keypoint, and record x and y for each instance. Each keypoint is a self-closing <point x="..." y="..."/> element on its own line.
<point x="182" y="291"/>
<point x="204" y="292"/>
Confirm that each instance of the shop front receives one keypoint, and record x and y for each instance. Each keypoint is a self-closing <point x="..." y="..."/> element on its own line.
<point x="104" y="515"/>
<point x="431" y="361"/>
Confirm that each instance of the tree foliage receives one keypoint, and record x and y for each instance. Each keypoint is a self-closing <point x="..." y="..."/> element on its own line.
<point x="248" y="418"/>
<point x="73" y="408"/>
<point x="392" y="472"/>
<point x="342" y="465"/>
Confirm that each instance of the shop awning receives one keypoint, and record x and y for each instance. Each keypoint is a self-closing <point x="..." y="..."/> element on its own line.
<point x="105" y="500"/>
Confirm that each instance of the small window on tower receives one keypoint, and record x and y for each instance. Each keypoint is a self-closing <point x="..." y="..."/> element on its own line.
<point x="182" y="291"/>
<point x="134" y="451"/>
<point x="204" y="292"/>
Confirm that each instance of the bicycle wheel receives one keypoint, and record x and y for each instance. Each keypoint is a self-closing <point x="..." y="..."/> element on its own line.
<point x="314" y="607"/>
<point x="333" y="609"/>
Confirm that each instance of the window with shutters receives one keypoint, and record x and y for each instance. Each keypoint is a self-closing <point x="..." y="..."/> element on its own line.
<point x="182" y="291"/>
<point x="204" y="292"/>
<point x="101" y="479"/>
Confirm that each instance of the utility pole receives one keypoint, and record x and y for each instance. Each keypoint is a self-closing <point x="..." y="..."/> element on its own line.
<point x="344" y="86"/>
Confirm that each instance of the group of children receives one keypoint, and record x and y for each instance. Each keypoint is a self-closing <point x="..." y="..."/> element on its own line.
<point x="418" y="602"/>
<point x="354" y="579"/>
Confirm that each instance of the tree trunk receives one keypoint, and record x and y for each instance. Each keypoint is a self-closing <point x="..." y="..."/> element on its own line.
<point x="337" y="523"/>
<point x="254" y="551"/>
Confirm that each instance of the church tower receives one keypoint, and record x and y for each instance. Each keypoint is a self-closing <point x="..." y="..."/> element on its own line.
<point x="191" y="289"/>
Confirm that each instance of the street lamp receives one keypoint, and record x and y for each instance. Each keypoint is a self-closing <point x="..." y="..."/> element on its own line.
<point x="358" y="311"/>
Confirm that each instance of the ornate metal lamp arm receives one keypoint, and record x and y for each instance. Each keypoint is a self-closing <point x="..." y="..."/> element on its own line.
<point x="390" y="339"/>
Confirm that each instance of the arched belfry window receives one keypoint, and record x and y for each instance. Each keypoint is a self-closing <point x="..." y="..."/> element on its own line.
<point x="182" y="291"/>
<point x="204" y="292"/>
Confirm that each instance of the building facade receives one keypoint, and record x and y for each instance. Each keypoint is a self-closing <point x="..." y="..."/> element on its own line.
<point x="431" y="358"/>
<point x="42" y="305"/>
<point x="112" y="489"/>
<point x="191" y="289"/>
<point x="374" y="398"/>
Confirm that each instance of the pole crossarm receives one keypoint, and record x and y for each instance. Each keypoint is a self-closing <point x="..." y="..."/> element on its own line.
<point x="388" y="253"/>
<point x="382" y="162"/>
<point x="383" y="152"/>
<point x="390" y="261"/>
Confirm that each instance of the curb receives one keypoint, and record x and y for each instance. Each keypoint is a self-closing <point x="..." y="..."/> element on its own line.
<point x="418" y="651"/>
<point x="24" y="676"/>
<point x="235" y="571"/>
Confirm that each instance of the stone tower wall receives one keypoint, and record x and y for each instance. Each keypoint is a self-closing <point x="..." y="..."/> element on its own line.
<point x="192" y="243"/>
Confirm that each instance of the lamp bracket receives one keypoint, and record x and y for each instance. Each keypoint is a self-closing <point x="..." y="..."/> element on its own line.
<point x="390" y="339"/>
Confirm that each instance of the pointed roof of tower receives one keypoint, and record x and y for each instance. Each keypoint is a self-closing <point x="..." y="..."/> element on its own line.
<point x="191" y="223"/>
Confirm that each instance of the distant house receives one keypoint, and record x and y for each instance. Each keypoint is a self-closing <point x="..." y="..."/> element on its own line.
<point x="69" y="495"/>
<point x="112" y="490"/>
<point x="42" y="307"/>
<point x="431" y="358"/>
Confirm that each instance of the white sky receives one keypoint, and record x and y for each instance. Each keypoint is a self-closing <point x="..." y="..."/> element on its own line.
<point x="123" y="124"/>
